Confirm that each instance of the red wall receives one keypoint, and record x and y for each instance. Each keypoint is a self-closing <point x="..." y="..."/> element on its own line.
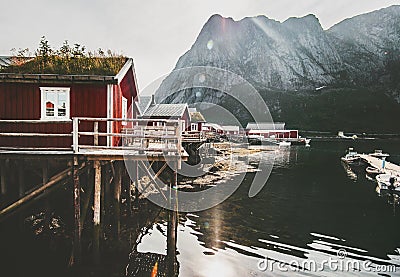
<point x="22" y="101"/>
<point x="279" y="134"/>
<point x="126" y="88"/>
<point x="186" y="117"/>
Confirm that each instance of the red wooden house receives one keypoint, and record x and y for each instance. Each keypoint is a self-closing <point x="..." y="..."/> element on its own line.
<point x="168" y="112"/>
<point x="52" y="100"/>
<point x="197" y="121"/>
<point x="271" y="130"/>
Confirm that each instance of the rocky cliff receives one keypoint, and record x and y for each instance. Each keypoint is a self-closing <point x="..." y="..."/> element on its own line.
<point x="297" y="55"/>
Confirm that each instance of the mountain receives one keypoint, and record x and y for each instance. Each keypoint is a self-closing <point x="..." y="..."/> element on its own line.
<point x="292" y="59"/>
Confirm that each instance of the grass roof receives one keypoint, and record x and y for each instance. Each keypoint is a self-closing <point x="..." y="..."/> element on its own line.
<point x="55" y="64"/>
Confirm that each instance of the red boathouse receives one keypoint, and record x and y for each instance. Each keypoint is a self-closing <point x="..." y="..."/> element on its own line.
<point x="52" y="100"/>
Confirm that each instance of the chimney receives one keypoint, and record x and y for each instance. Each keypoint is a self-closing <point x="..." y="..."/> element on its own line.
<point x="153" y="101"/>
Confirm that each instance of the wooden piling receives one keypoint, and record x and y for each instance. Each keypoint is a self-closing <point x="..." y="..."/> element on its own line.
<point x="117" y="197"/>
<point x="97" y="211"/>
<point x="21" y="179"/>
<point x="58" y="178"/>
<point x="76" y="256"/>
<point x="3" y="187"/>
<point x="88" y="193"/>
<point x="136" y="180"/>
<point x="172" y="227"/>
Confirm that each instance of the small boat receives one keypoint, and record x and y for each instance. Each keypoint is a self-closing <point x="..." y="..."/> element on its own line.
<point x="261" y="140"/>
<point x="343" y="136"/>
<point x="373" y="171"/>
<point x="379" y="154"/>
<point x="284" y="143"/>
<point x="388" y="182"/>
<point x="351" y="156"/>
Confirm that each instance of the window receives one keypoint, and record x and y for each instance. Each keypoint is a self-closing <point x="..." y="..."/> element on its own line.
<point x="194" y="127"/>
<point x="54" y="103"/>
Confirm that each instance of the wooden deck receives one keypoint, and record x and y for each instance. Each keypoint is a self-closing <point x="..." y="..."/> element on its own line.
<point x="137" y="139"/>
<point x="390" y="168"/>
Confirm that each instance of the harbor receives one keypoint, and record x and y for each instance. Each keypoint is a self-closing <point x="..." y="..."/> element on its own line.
<point x="200" y="139"/>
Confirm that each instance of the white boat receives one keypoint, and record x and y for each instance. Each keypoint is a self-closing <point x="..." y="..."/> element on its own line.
<point x="342" y="135"/>
<point x="373" y="171"/>
<point x="258" y="139"/>
<point x="284" y="143"/>
<point x="388" y="182"/>
<point x="351" y="156"/>
<point x="379" y="154"/>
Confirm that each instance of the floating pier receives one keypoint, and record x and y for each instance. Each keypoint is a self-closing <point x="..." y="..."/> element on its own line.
<point x="385" y="166"/>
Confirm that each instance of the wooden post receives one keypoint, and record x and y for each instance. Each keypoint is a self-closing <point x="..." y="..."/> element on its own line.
<point x="136" y="179"/>
<point x="97" y="210"/>
<point x="96" y="131"/>
<point x="3" y="187"/>
<point x="104" y="197"/>
<point x="117" y="197"/>
<point x="21" y="179"/>
<point x="53" y="181"/>
<point x="76" y="256"/>
<point x="45" y="179"/>
<point x="172" y="227"/>
<point x="89" y="191"/>
<point x="75" y="135"/>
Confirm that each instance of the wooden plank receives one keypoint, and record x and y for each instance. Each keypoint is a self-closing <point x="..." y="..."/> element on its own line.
<point x="152" y="178"/>
<point x="36" y="121"/>
<point x="172" y="121"/>
<point x="34" y="149"/>
<point x="161" y="136"/>
<point x="53" y="181"/>
<point x="33" y="135"/>
<point x="121" y="148"/>
<point x="155" y="177"/>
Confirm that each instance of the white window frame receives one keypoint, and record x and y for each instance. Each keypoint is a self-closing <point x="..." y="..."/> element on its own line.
<point x="193" y="127"/>
<point x="56" y="117"/>
<point x="124" y="112"/>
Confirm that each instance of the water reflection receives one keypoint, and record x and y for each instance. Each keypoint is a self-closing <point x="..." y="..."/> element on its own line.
<point x="349" y="171"/>
<point x="324" y="254"/>
<point x="308" y="213"/>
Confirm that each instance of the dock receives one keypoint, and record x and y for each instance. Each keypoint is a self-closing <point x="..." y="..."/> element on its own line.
<point x="390" y="168"/>
<point x="88" y="158"/>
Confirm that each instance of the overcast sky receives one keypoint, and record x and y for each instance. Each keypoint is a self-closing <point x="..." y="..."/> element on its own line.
<point x="155" y="33"/>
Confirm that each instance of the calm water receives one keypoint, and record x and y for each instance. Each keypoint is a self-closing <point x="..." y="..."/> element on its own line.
<point x="311" y="208"/>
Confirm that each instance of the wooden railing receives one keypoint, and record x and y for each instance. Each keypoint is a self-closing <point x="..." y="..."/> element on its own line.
<point x="92" y="134"/>
<point x="193" y="136"/>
